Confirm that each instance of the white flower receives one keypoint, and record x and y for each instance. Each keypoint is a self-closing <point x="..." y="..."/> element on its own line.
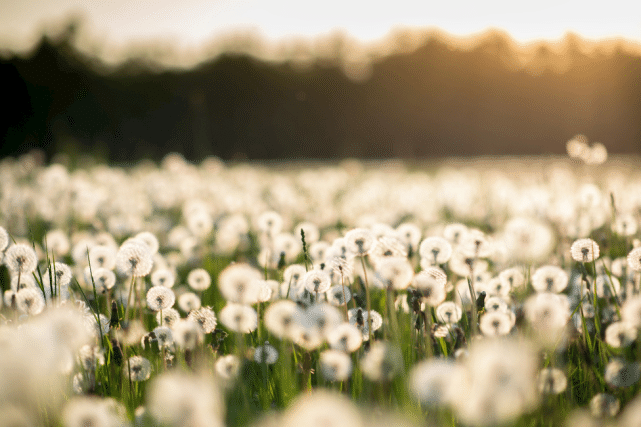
<point x="239" y="317"/>
<point x="20" y="259"/>
<point x="160" y="298"/>
<point x="335" y="365"/>
<point x="134" y="259"/>
<point x="584" y="250"/>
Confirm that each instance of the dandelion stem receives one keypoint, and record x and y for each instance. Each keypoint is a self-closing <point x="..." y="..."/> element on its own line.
<point x="131" y="288"/>
<point x="368" y="301"/>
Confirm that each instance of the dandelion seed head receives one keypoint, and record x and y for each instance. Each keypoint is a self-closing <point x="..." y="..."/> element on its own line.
<point x="496" y="323"/>
<point x="199" y="222"/>
<point x="308" y="338"/>
<point x="335" y="365"/>
<point x="410" y="235"/>
<point x="319" y="251"/>
<point x="584" y="250"/>
<point x="26" y="281"/>
<point x="430" y="381"/>
<point x="386" y="247"/>
<point x="137" y="368"/>
<point x="231" y="234"/>
<point x="448" y="312"/>
<point x="631" y="311"/>
<point x="496" y="303"/>
<point x="619" y="373"/>
<point x="359" y="241"/>
<point x="625" y="225"/>
<point x="382" y="362"/>
<point x="289" y="245"/>
<point x="454" y="233"/>
<point x="5" y="240"/>
<point x="577" y="147"/>
<point x="528" y="240"/>
<point x="148" y="239"/>
<point x="497" y="382"/>
<point x="496" y="287"/>
<point x="130" y="333"/>
<point x="266" y="354"/>
<point x="58" y="275"/>
<point x="431" y="284"/>
<point x="294" y="274"/>
<point x="341" y="269"/>
<point x="339" y="249"/>
<point x="89" y="356"/>
<point x="604" y="405"/>
<point x="281" y="318"/>
<point x="169" y="317"/>
<point x="345" y="337"/>
<point x="103" y="279"/>
<point x="97" y="326"/>
<point x="239" y="283"/>
<point x="188" y="334"/>
<point x="548" y="314"/>
<point x="239" y="318"/>
<point x="317" y="281"/>
<point x="163" y="277"/>
<point x="339" y="295"/>
<point x="227" y="368"/>
<point x="394" y="273"/>
<point x="199" y="279"/>
<point x="205" y="318"/>
<point x="84" y="411"/>
<point x="550" y="278"/>
<point x="190" y="399"/>
<point x="607" y="286"/>
<point x="360" y="318"/>
<point x="551" y="381"/>
<point x="164" y="336"/>
<point x="20" y="259"/>
<point x="512" y="277"/>
<point x="160" y="298"/>
<point x="322" y="409"/>
<point x="634" y="259"/>
<point x="269" y="223"/>
<point x="475" y="244"/>
<point x="460" y="264"/>
<point x="57" y="243"/>
<point x="620" y="334"/>
<point x="134" y="259"/>
<point x="30" y="301"/>
<point x="321" y="316"/>
<point x="435" y="251"/>
<point x="189" y="301"/>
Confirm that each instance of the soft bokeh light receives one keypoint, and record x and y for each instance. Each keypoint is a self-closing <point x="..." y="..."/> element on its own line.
<point x="190" y="25"/>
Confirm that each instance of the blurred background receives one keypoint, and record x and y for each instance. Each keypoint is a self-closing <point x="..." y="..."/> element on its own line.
<point x="123" y="80"/>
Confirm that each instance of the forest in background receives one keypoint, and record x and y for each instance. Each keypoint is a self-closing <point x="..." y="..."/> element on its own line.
<point x="433" y="101"/>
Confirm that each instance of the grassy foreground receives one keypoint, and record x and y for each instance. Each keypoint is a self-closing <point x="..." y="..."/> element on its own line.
<point x="501" y="292"/>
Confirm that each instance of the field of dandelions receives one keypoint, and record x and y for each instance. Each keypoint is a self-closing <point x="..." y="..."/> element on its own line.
<point x="480" y="293"/>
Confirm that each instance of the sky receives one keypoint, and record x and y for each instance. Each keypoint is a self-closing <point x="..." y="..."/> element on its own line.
<point x="189" y="24"/>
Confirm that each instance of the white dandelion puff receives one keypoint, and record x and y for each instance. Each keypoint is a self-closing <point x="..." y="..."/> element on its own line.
<point x="137" y="368"/>
<point x="335" y="365"/>
<point x="134" y="259"/>
<point x="205" y="318"/>
<point x="584" y="250"/>
<point x="20" y="259"/>
<point x="160" y="298"/>
<point x="199" y="279"/>
<point x="239" y="318"/>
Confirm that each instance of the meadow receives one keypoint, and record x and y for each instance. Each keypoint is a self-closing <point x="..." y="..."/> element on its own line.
<point x="484" y="292"/>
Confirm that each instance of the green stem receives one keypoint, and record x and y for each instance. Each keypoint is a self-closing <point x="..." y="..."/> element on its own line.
<point x="367" y="299"/>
